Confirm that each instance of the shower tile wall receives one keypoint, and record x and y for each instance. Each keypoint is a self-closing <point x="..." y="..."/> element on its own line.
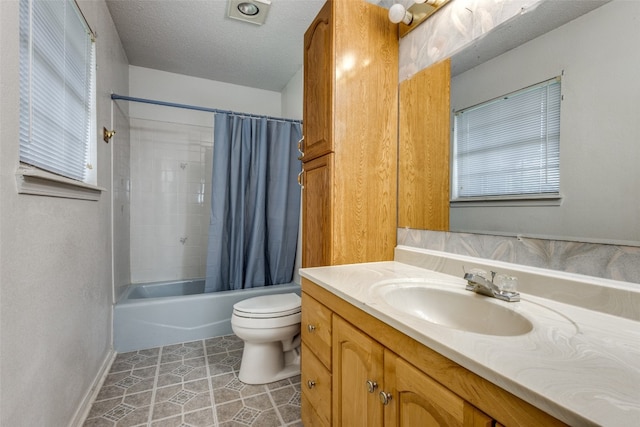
<point x="170" y="200"/>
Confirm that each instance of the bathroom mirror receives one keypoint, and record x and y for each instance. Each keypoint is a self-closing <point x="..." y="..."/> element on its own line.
<point x="596" y="57"/>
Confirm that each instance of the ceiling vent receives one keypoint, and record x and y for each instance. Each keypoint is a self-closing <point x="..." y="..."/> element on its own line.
<point x="254" y="11"/>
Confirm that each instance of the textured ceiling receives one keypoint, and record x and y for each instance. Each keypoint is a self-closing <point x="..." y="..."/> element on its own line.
<point x="196" y="38"/>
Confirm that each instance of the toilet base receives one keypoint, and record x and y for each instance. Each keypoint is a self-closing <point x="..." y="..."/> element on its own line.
<point x="264" y="363"/>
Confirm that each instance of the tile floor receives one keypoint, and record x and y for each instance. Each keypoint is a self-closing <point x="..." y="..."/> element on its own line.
<point x="191" y="385"/>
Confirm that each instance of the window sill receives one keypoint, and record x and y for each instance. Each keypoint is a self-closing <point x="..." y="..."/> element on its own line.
<point x="37" y="182"/>
<point x="529" y="200"/>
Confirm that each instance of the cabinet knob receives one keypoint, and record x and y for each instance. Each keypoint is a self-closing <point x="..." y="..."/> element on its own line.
<point x="385" y="397"/>
<point x="371" y="386"/>
<point x="311" y="328"/>
<point x="311" y="384"/>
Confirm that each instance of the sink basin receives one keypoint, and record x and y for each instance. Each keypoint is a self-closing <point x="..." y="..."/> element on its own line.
<point x="454" y="308"/>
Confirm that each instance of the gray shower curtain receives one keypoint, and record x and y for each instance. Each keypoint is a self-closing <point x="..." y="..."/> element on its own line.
<point x="255" y="203"/>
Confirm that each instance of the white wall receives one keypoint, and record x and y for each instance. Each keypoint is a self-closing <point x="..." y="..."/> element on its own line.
<point x="292" y="96"/>
<point x="55" y="275"/>
<point x="177" y="88"/>
<point x="171" y="155"/>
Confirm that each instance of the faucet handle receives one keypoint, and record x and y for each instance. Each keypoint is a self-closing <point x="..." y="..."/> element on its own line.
<point x="506" y="284"/>
<point x="479" y="272"/>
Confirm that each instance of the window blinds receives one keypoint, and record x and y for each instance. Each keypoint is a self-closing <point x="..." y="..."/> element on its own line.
<point x="56" y="87"/>
<point x="509" y="146"/>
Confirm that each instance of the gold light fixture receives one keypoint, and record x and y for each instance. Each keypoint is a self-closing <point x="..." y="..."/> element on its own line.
<point x="414" y="15"/>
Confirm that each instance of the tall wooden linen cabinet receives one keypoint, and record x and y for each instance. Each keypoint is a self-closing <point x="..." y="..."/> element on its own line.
<point x="349" y="155"/>
<point x="349" y="150"/>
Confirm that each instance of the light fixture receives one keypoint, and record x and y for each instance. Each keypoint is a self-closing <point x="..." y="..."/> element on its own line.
<point x="254" y="11"/>
<point x="414" y="15"/>
<point x="435" y="3"/>
<point x="248" y="9"/>
<point x="398" y="14"/>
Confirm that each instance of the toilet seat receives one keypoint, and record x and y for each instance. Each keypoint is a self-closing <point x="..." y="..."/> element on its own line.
<point x="268" y="306"/>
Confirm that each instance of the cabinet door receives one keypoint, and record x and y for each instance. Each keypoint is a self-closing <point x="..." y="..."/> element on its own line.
<point x="318" y="85"/>
<point x="418" y="400"/>
<point x="357" y="362"/>
<point x="316" y="212"/>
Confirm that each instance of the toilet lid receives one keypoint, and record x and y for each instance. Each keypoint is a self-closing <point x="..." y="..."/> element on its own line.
<point x="268" y="306"/>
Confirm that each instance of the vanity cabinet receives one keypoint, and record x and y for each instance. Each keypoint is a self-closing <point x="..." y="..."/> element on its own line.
<point x="381" y="377"/>
<point x="375" y="387"/>
<point x="349" y="149"/>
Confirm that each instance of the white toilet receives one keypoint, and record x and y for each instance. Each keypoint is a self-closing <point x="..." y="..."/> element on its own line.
<point x="270" y="328"/>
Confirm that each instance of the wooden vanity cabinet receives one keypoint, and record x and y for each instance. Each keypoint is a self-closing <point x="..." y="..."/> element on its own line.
<point x="381" y="377"/>
<point x="350" y="127"/>
<point x="375" y="387"/>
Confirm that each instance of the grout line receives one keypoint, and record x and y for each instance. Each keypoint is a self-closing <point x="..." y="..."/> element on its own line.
<point x="213" y="402"/>
<point x="275" y="407"/>
<point x="153" y="390"/>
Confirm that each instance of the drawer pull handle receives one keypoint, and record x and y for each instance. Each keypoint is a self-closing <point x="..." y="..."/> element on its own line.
<point x="311" y="328"/>
<point x="385" y="398"/>
<point x="371" y="386"/>
<point x="311" y="384"/>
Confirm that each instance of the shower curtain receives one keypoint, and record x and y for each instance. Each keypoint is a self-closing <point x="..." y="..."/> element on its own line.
<point x="255" y="203"/>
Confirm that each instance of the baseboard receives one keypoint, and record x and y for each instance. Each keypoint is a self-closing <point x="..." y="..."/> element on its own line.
<point x="85" y="406"/>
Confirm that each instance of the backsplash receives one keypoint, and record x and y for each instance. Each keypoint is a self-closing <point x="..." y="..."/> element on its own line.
<point x="606" y="261"/>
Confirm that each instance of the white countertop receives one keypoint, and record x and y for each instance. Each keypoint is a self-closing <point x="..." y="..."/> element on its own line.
<point x="579" y="365"/>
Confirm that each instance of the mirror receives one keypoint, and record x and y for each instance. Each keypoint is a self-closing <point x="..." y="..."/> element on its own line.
<point x="596" y="57"/>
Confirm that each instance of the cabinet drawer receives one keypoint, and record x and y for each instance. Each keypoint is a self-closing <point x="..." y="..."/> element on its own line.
<point x="316" y="329"/>
<point x="316" y="390"/>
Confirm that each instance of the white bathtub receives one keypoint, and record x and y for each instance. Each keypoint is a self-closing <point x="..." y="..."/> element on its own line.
<point x="157" y="314"/>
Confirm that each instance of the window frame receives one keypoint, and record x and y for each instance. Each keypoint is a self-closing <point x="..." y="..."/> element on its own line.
<point x="43" y="179"/>
<point x="549" y="198"/>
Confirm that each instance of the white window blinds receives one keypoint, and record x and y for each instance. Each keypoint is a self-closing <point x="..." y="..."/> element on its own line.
<point x="56" y="88"/>
<point x="509" y="146"/>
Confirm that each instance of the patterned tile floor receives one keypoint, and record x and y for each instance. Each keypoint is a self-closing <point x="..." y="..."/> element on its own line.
<point x="192" y="384"/>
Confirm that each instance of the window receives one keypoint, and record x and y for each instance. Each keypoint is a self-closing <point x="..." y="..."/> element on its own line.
<point x="509" y="147"/>
<point x="57" y="89"/>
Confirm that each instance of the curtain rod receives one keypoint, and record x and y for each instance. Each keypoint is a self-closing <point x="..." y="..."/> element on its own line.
<point x="116" y="97"/>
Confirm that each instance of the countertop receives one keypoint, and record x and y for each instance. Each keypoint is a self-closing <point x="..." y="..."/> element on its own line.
<point x="579" y="365"/>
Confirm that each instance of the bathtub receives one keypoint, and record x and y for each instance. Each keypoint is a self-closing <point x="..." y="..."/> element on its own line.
<point x="157" y="314"/>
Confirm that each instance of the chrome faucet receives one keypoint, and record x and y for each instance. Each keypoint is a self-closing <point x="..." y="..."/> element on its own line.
<point x="478" y="283"/>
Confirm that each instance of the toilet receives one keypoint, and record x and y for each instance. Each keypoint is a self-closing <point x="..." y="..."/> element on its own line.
<point x="269" y="325"/>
